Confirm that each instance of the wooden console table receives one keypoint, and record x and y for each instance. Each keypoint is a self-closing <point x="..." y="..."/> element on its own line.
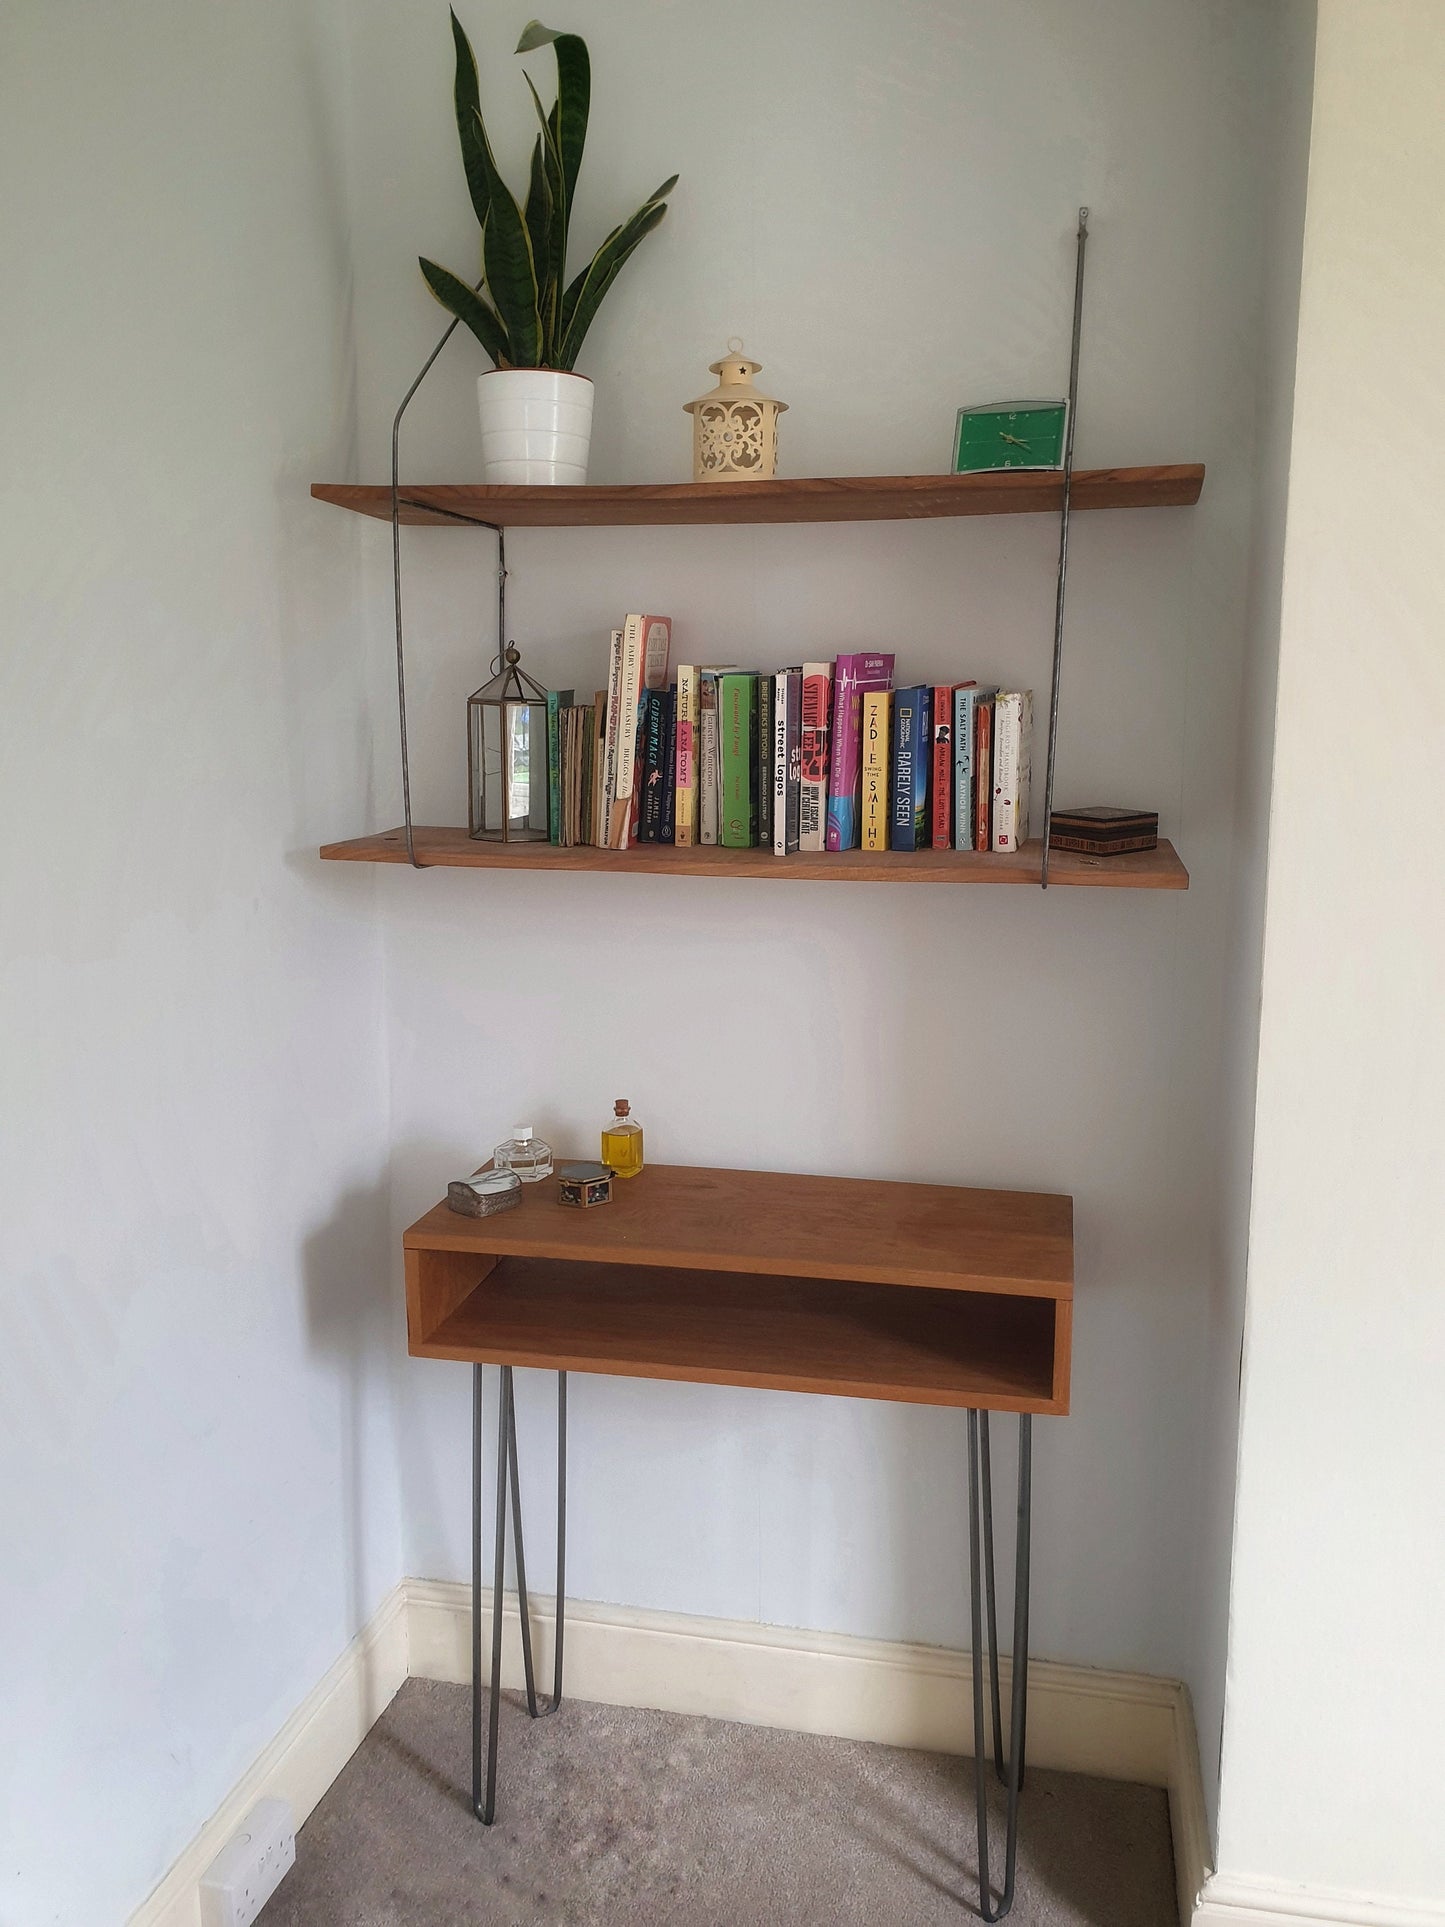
<point x="923" y="1294"/>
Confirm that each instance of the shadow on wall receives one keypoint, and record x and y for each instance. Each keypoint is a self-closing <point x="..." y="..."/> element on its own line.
<point x="354" y="1317"/>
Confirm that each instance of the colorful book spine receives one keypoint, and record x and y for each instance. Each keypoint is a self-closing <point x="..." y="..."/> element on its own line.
<point x="597" y="821"/>
<point x="557" y="701"/>
<point x="983" y="774"/>
<point x="965" y="707"/>
<point x="912" y="751"/>
<point x="813" y="756"/>
<point x="852" y="676"/>
<point x="877" y="704"/>
<point x="1013" y="730"/>
<point x="612" y="712"/>
<point x="787" y="759"/>
<point x="667" y="830"/>
<point x="943" y="766"/>
<point x="685" y="766"/>
<point x="709" y="763"/>
<point x="737" y="721"/>
<point x="763" y="763"/>
<point x="652" y="745"/>
<point x="646" y="641"/>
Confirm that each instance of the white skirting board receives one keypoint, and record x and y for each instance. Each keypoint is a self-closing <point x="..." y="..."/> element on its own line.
<point x="1123" y="1726"/>
<point x="1232" y="1900"/>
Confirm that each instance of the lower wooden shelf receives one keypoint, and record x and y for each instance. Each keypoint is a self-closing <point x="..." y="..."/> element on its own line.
<point x="898" y="1342"/>
<point x="1158" y="869"/>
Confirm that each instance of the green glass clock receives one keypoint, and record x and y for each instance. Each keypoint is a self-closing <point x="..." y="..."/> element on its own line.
<point x="1010" y="434"/>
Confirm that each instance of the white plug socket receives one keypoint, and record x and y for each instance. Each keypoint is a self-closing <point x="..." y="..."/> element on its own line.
<point x="250" y="1867"/>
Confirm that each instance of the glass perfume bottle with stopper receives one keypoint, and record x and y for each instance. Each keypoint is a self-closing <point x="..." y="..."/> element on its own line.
<point x="526" y="1154"/>
<point x="622" y="1141"/>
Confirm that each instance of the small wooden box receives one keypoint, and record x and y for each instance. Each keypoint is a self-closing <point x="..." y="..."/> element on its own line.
<point x="1104" y="831"/>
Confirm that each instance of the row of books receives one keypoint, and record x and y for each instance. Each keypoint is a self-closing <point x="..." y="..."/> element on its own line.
<point x="822" y="756"/>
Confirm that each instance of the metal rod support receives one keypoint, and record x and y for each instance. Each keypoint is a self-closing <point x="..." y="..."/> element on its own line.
<point x="980" y="1507"/>
<point x="484" y="1777"/>
<point x="1082" y="243"/>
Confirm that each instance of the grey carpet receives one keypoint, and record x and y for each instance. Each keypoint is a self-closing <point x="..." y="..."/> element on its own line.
<point x="607" y="1817"/>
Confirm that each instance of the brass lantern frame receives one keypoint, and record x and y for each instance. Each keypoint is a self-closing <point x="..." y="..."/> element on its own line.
<point x="509" y="690"/>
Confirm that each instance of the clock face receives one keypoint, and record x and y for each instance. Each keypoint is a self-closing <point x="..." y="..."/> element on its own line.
<point x="1025" y="435"/>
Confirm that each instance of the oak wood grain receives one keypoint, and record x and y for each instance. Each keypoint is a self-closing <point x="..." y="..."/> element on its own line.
<point x="839" y="498"/>
<point x="934" y="1236"/>
<point x="445" y="848"/>
<point x="739" y="1328"/>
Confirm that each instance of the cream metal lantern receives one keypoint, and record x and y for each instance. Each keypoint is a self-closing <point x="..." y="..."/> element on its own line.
<point x="735" y="426"/>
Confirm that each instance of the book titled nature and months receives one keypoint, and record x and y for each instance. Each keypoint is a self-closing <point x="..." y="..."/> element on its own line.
<point x="853" y="675"/>
<point x="737" y="758"/>
<point x="685" y="761"/>
<point x="1013" y="731"/>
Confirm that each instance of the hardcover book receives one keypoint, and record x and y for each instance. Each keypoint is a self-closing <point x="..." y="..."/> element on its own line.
<point x="912" y="753"/>
<point x="1013" y="731"/>
<point x="876" y="765"/>
<point x="763" y="763"/>
<point x="667" y="831"/>
<point x="652" y="747"/>
<point x="646" y="641"/>
<point x="685" y="770"/>
<point x="709" y="764"/>
<point x="737" y="722"/>
<point x="813" y="755"/>
<point x="557" y="701"/>
<point x="943" y="695"/>
<point x="966" y="699"/>
<point x="787" y="759"/>
<point x="852" y="675"/>
<point x="983" y="774"/>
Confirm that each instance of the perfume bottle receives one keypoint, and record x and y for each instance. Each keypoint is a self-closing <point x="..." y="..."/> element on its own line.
<point x="622" y="1141"/>
<point x="530" y="1157"/>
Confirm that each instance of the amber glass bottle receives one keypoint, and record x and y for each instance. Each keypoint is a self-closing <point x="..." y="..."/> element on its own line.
<point x="622" y="1141"/>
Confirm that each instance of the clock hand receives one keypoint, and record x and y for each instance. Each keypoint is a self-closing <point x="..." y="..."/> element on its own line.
<point x="1014" y="440"/>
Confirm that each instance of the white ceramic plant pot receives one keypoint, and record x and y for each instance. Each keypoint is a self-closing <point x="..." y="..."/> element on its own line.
<point x="536" y="426"/>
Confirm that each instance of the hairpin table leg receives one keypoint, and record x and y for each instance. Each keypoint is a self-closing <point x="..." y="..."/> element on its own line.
<point x="980" y="1478"/>
<point x="507" y="1475"/>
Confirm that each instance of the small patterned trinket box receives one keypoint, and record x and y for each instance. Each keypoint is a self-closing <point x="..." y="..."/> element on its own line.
<point x="584" y="1184"/>
<point x="484" y="1193"/>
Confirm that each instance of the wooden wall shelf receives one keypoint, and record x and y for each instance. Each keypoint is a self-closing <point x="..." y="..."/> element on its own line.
<point x="1158" y="869"/>
<point x="840" y="498"/>
<point x="927" y="1294"/>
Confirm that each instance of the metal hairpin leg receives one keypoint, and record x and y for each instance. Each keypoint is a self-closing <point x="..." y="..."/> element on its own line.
<point x="507" y="1474"/>
<point x="980" y="1484"/>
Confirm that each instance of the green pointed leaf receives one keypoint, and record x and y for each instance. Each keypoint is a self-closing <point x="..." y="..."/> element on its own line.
<point x="607" y="264"/>
<point x="468" y="105"/>
<point x="604" y="265"/>
<point x="551" y="256"/>
<point x="468" y="306"/>
<point x="574" y="94"/>
<point x="537" y="215"/>
<point x="511" y="271"/>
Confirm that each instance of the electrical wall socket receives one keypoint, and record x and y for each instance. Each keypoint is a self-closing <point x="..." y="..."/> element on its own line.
<point x="250" y="1867"/>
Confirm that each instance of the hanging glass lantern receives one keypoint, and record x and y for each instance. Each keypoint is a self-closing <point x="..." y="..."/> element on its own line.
<point x="507" y="756"/>
<point x="735" y="425"/>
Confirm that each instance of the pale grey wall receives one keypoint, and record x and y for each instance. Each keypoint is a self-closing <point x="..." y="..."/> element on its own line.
<point x="197" y="1472"/>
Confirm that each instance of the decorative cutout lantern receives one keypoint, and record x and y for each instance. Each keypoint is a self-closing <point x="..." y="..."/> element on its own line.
<point x="507" y="756"/>
<point x="735" y="426"/>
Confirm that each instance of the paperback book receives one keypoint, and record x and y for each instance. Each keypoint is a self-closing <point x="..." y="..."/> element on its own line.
<point x="912" y="754"/>
<point x="813" y="755"/>
<point x="853" y="675"/>
<point x="875" y="769"/>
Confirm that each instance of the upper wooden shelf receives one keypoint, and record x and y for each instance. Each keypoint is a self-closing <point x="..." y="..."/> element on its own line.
<point x="453" y="849"/>
<point x="838" y="498"/>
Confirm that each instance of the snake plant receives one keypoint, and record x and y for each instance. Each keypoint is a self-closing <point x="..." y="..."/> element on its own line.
<point x="524" y="311"/>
